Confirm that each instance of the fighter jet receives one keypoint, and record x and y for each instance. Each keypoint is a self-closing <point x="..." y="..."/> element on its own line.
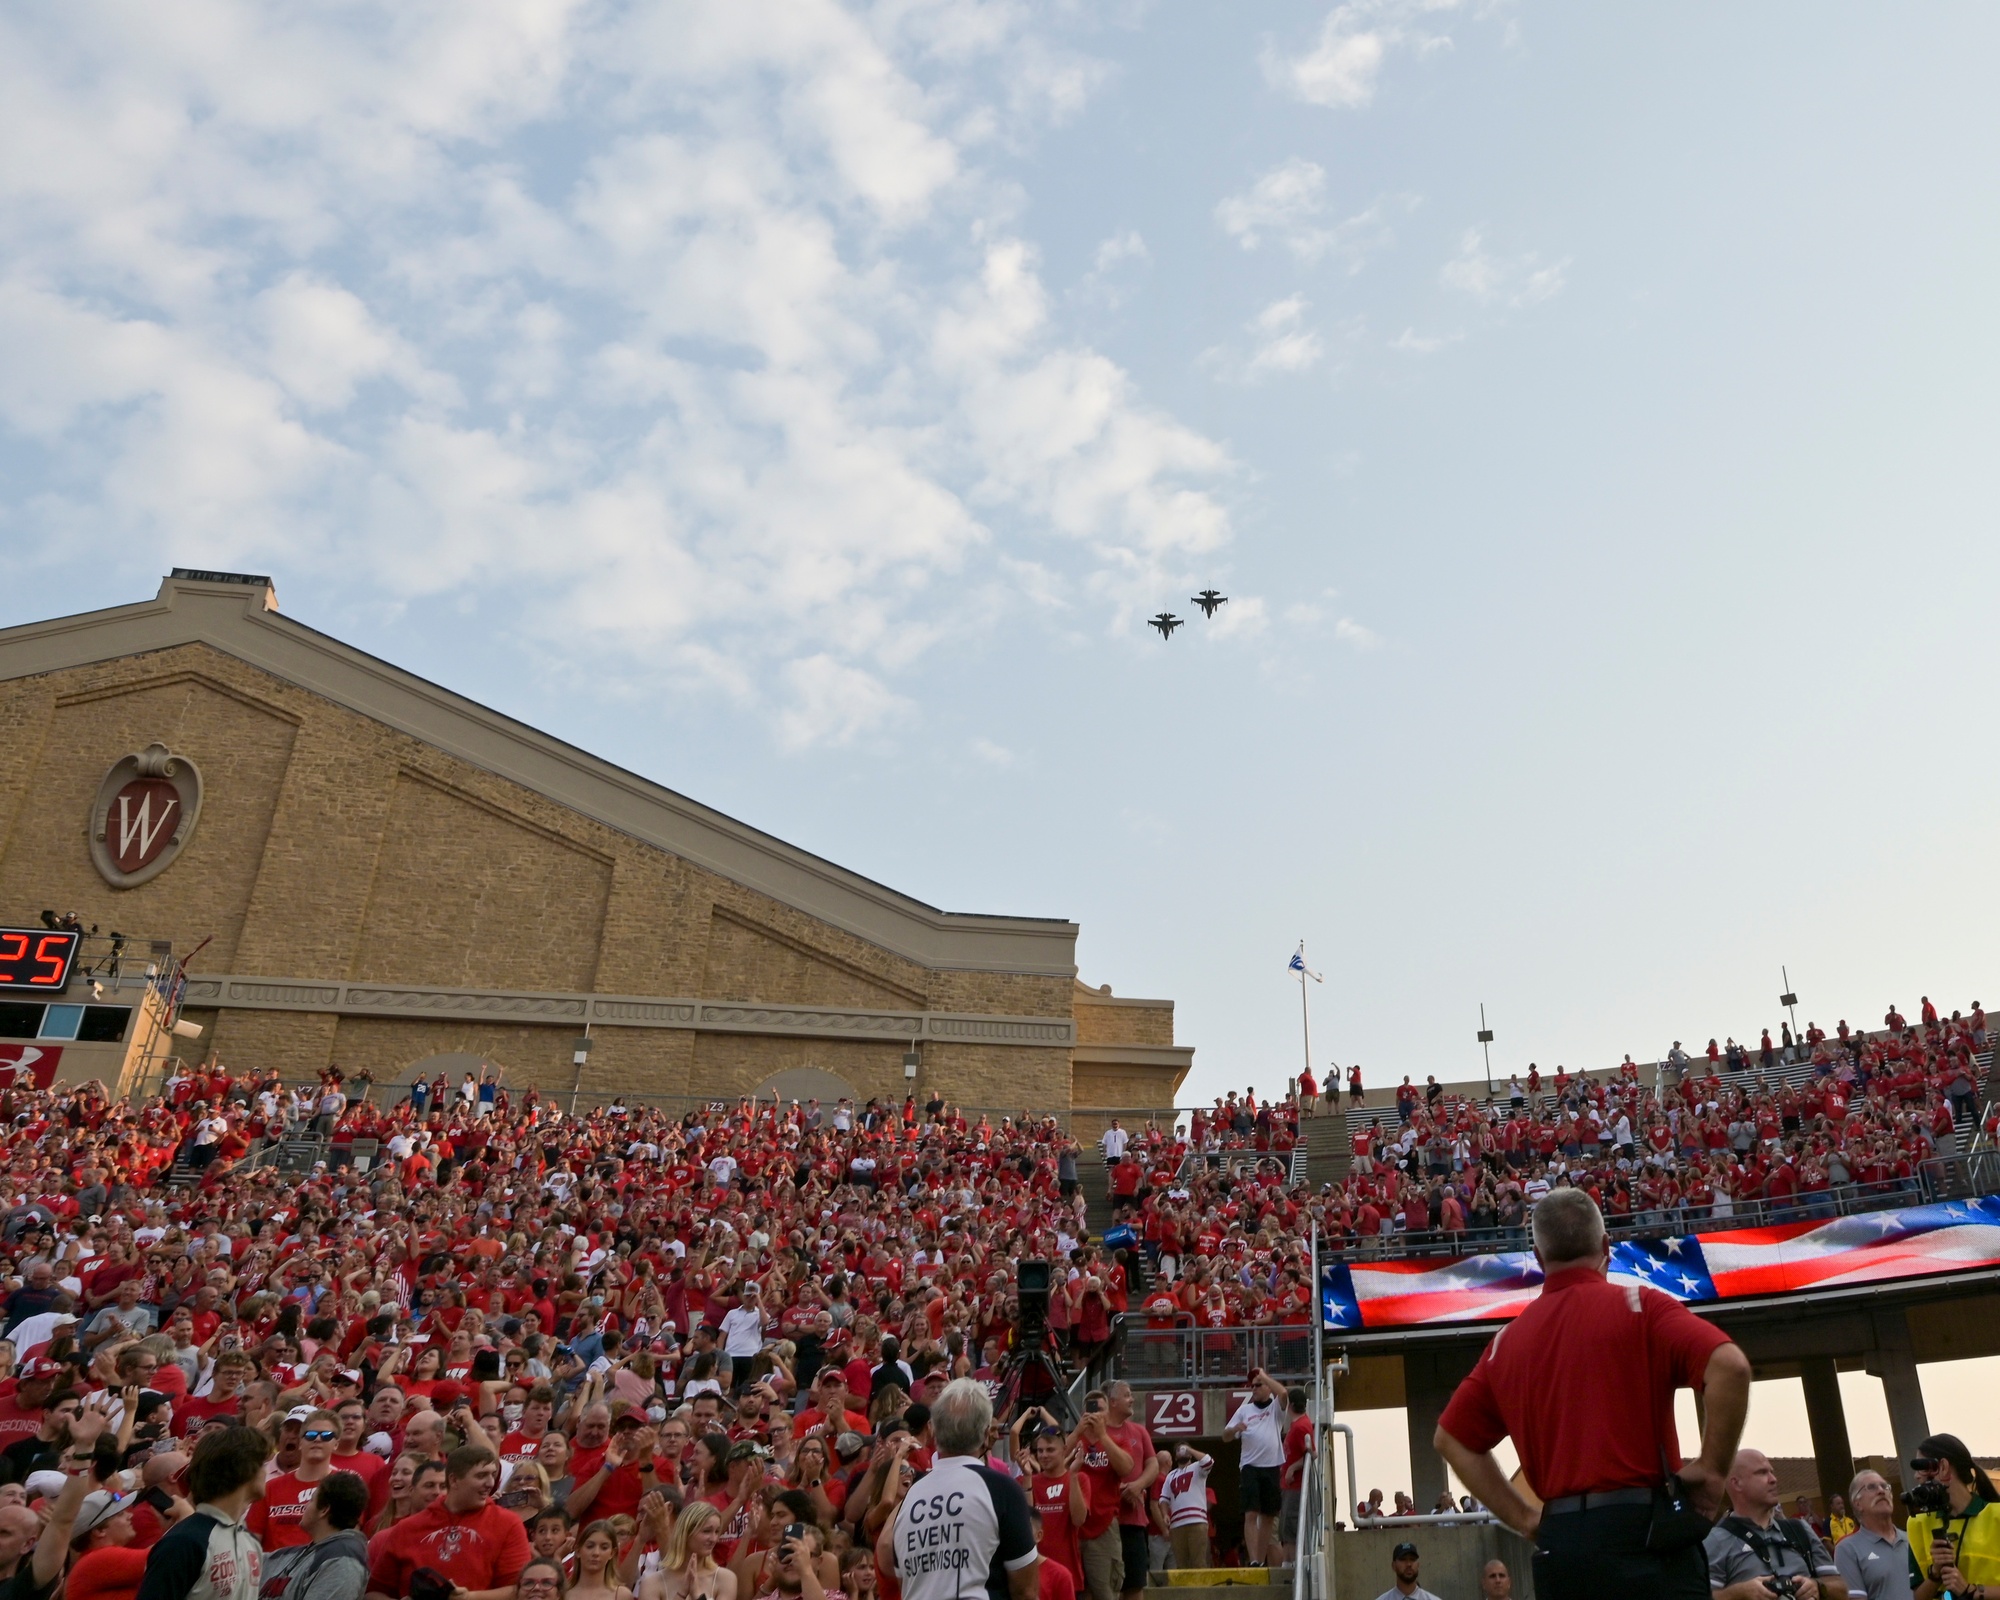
<point x="1166" y="622"/>
<point x="1209" y="600"/>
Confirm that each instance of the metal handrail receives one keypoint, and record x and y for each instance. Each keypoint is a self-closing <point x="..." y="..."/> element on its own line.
<point x="1429" y="1519"/>
<point x="1304" y="1555"/>
<point x="1201" y="1357"/>
<point x="1353" y="1471"/>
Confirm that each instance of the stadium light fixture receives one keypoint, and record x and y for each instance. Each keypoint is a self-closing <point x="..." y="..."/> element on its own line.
<point x="1486" y="1048"/>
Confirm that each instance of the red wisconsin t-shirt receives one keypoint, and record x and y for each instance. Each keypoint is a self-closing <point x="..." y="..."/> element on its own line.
<point x="18" y="1421"/>
<point x="278" y="1519"/>
<point x="483" y="1549"/>
<point x="1049" y="1494"/>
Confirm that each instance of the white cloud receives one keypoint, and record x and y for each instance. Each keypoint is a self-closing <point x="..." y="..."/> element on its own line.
<point x="657" y="315"/>
<point x="1518" y="281"/>
<point x="1119" y="249"/>
<point x="1410" y="342"/>
<point x="1113" y="267"/>
<point x="994" y="755"/>
<point x="1285" y="205"/>
<point x="1280" y="343"/>
<point x="1246" y="614"/>
<point x="833" y="703"/>
<point x="1287" y="345"/>
<point x="1354" y="635"/>
<point x="1342" y="65"/>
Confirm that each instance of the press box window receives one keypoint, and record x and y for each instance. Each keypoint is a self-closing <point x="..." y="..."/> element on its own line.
<point x="20" y="1022"/>
<point x="61" y="1022"/>
<point x="102" y="1024"/>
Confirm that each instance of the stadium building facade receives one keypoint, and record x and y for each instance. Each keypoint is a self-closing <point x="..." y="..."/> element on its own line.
<point x="394" y="878"/>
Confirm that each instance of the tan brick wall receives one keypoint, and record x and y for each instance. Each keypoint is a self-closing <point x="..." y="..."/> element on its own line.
<point x="241" y="747"/>
<point x="1100" y="1020"/>
<point x="464" y="894"/>
<point x="751" y="963"/>
<point x="333" y="846"/>
<point x="1095" y="1085"/>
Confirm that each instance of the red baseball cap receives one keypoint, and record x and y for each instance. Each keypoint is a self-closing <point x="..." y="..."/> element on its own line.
<point x="41" y="1367"/>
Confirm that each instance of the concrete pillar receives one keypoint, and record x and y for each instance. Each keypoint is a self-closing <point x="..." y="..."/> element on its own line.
<point x="1429" y="1378"/>
<point x="1832" y="1454"/>
<point x="1894" y="1361"/>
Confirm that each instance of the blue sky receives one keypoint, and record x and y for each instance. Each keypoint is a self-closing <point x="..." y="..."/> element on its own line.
<point x="1590" y="412"/>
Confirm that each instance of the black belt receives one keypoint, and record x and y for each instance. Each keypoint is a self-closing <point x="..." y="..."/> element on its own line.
<point x="1568" y="1503"/>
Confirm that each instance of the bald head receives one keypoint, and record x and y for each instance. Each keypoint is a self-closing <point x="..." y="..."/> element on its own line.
<point x="19" y="1528"/>
<point x="1753" y="1485"/>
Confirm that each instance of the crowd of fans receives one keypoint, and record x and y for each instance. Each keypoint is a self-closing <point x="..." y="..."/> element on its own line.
<point x="1705" y="1139"/>
<point x="484" y="1344"/>
<point x="688" y="1353"/>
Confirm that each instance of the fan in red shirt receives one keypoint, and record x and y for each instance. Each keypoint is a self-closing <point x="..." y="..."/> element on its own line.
<point x="348" y="1456"/>
<point x="1059" y="1493"/>
<point x="462" y="1534"/>
<point x="277" y="1519"/>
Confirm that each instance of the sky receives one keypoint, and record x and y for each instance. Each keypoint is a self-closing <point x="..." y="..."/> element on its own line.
<point x="1589" y="413"/>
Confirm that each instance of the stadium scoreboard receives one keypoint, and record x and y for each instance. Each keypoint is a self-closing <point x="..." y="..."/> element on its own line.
<point x="36" y="960"/>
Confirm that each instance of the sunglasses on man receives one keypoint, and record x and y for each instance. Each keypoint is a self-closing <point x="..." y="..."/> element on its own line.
<point x="319" y="1435"/>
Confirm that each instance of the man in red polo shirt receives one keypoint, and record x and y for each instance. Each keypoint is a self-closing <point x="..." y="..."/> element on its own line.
<point x="1583" y="1381"/>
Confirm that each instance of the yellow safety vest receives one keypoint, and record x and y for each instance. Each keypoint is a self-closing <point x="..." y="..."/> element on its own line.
<point x="1976" y="1536"/>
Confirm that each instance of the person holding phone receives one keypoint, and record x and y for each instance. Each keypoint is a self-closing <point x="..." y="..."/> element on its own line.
<point x="795" y="1572"/>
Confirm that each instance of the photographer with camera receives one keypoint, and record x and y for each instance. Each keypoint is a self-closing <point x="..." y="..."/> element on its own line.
<point x="1755" y="1554"/>
<point x="1954" y="1526"/>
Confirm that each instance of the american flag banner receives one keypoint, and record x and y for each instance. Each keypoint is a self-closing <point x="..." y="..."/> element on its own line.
<point x="1786" y="1258"/>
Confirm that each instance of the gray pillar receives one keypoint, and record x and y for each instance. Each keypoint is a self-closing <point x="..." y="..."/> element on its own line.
<point x="1894" y="1361"/>
<point x="1429" y="1379"/>
<point x="1832" y="1455"/>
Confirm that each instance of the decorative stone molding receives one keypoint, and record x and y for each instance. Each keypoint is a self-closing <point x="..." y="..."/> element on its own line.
<point x="145" y="812"/>
<point x="1001" y="1030"/>
<point x="623" y="1011"/>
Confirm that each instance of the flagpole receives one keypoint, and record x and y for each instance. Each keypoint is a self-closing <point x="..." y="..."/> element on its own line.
<point x="1305" y="1017"/>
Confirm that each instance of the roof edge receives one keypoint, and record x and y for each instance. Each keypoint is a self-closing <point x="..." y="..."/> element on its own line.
<point x="240" y="621"/>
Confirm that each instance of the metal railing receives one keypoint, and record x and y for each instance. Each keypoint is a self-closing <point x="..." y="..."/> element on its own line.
<point x="1305" y="1556"/>
<point x="1382" y="1113"/>
<point x="1940" y="1178"/>
<point x="1207" y="1357"/>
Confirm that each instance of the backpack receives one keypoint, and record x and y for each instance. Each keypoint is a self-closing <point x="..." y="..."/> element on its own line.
<point x="298" y="1575"/>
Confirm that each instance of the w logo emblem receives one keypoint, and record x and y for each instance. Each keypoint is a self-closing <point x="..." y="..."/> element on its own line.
<point x="141" y="822"/>
<point x="146" y="810"/>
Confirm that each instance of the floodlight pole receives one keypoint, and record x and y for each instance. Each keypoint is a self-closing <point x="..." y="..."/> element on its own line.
<point x="1790" y="1002"/>
<point x="1486" y="1048"/>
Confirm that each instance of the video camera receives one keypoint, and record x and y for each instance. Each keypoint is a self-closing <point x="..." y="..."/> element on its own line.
<point x="1928" y="1498"/>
